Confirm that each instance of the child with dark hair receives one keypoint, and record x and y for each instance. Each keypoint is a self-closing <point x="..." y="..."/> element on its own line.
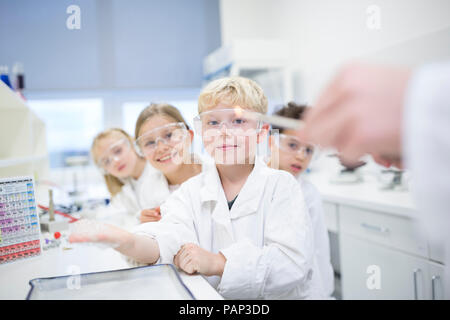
<point x="290" y="154"/>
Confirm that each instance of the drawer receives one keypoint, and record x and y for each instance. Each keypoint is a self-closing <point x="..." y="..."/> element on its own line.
<point x="437" y="281"/>
<point x="331" y="216"/>
<point x="436" y="251"/>
<point x="400" y="275"/>
<point x="392" y="231"/>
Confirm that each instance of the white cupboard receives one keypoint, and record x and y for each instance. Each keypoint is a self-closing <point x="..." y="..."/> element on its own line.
<point x="384" y="256"/>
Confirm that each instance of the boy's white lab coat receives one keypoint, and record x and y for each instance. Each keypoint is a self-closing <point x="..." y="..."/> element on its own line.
<point x="149" y="191"/>
<point x="313" y="202"/>
<point x="266" y="237"/>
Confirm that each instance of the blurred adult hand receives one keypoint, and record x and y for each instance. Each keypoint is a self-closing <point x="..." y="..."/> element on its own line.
<point x="360" y="112"/>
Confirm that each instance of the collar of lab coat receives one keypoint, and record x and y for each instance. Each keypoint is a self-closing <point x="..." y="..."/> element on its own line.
<point x="151" y="181"/>
<point x="248" y="199"/>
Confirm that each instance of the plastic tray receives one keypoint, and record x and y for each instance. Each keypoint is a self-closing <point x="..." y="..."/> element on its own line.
<point x="156" y="282"/>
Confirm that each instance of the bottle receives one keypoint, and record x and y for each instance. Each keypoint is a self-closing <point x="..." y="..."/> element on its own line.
<point x="51" y="206"/>
<point x="4" y="76"/>
<point x="19" y="77"/>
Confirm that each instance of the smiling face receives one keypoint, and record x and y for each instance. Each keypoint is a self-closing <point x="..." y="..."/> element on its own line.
<point x="169" y="143"/>
<point x="229" y="134"/>
<point x="288" y="159"/>
<point x="115" y="155"/>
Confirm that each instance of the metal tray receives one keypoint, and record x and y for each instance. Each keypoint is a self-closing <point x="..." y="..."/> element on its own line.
<point x="156" y="282"/>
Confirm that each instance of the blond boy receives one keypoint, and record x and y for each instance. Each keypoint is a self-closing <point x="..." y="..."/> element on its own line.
<point x="239" y="223"/>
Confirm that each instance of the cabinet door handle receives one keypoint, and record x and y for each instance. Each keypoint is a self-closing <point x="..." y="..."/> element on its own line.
<point x="415" y="283"/>
<point x="433" y="287"/>
<point x="374" y="228"/>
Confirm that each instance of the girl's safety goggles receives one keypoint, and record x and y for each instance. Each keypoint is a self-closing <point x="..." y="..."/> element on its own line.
<point x="115" y="153"/>
<point x="170" y="134"/>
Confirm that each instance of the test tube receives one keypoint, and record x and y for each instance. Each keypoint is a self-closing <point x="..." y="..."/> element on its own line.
<point x="51" y="211"/>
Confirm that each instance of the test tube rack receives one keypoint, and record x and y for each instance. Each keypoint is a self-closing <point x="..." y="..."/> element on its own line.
<point x="19" y="221"/>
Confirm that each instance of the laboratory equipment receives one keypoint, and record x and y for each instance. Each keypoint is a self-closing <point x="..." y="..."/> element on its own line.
<point x="18" y="72"/>
<point x="77" y="165"/>
<point x="283" y="122"/>
<point x="50" y="222"/>
<point x="265" y="60"/>
<point x="4" y="76"/>
<point x="69" y="209"/>
<point x="19" y="78"/>
<point x="19" y="222"/>
<point x="392" y="179"/>
<point x="74" y="162"/>
<point x="350" y="173"/>
<point x="156" y="282"/>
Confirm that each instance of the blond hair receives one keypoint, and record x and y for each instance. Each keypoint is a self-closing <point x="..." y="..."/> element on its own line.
<point x="113" y="183"/>
<point x="234" y="91"/>
<point x="162" y="109"/>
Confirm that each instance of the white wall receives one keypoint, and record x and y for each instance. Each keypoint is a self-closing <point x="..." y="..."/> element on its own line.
<point x="249" y="19"/>
<point x="323" y="33"/>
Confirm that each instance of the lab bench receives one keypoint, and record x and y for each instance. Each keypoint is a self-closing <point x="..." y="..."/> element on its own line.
<point x="81" y="258"/>
<point x="69" y="259"/>
<point x="382" y="253"/>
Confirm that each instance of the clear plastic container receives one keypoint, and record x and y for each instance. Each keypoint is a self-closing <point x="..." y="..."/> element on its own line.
<point x="156" y="282"/>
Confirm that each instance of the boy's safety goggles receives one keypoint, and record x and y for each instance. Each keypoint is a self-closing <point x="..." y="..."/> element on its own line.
<point x="170" y="134"/>
<point x="293" y="145"/>
<point x="232" y="120"/>
<point x="114" y="153"/>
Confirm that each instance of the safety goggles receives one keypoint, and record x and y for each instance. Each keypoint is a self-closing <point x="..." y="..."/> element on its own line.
<point x="235" y="121"/>
<point x="293" y="145"/>
<point x="171" y="134"/>
<point x="114" y="153"/>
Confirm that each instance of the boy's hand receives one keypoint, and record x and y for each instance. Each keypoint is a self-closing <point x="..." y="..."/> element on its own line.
<point x="193" y="259"/>
<point x="94" y="231"/>
<point x="150" y="215"/>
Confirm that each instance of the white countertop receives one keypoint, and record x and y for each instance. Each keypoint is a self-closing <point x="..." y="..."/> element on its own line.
<point x="367" y="194"/>
<point x="14" y="276"/>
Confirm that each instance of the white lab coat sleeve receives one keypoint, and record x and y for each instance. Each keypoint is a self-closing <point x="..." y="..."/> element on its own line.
<point x="284" y="263"/>
<point x="137" y="216"/>
<point x="426" y="149"/>
<point x="321" y="239"/>
<point x="175" y="228"/>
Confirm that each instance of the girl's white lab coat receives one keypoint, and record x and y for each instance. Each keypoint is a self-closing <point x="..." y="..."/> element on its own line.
<point x="266" y="237"/>
<point x="147" y="192"/>
<point x="313" y="202"/>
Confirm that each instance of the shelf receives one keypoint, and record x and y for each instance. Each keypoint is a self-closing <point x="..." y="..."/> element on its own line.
<point x="23" y="147"/>
<point x="22" y="160"/>
<point x="9" y="99"/>
<point x="247" y="54"/>
<point x="253" y="58"/>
